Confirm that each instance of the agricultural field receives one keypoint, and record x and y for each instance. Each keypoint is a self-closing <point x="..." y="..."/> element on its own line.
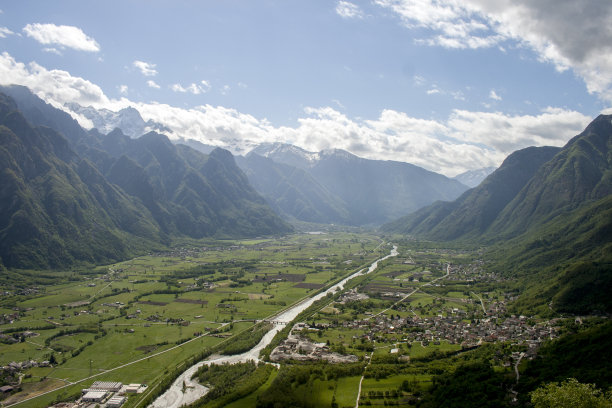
<point x="132" y="321"/>
<point x="384" y="339"/>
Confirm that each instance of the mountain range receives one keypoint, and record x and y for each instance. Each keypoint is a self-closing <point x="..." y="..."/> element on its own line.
<point x="331" y="186"/>
<point x="546" y="214"/>
<point x="74" y="196"/>
<point x="127" y="119"/>
<point x="338" y="187"/>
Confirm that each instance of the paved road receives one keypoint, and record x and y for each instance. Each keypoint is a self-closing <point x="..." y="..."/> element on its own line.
<point x="412" y="293"/>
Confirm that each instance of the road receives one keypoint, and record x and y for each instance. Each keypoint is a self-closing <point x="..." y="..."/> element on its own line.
<point x="516" y="370"/>
<point x="114" y="368"/>
<point x="481" y="303"/>
<point x="361" y="380"/>
<point x="412" y="293"/>
<point x="174" y="397"/>
<point x="194" y="391"/>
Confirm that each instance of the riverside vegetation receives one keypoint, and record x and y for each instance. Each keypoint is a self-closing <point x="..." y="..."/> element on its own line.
<point x="423" y="326"/>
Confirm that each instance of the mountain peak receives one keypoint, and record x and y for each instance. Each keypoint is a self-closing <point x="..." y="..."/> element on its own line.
<point x="127" y="119"/>
<point x="287" y="154"/>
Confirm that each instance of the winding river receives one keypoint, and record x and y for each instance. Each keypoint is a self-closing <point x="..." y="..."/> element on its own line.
<point x="174" y="397"/>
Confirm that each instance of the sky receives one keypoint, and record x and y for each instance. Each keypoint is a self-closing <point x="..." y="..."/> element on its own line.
<point x="447" y="85"/>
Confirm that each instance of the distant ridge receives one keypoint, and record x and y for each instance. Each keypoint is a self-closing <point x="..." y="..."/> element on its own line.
<point x="472" y="178"/>
<point x="475" y="210"/>
<point x="96" y="198"/>
<point x="336" y="186"/>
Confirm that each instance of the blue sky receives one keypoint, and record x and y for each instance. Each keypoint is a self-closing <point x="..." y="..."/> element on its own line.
<point x="445" y="84"/>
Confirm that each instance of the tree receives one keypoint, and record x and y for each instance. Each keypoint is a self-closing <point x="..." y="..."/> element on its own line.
<point x="570" y="394"/>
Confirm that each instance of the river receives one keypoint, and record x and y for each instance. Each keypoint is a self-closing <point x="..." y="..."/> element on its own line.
<point x="174" y="397"/>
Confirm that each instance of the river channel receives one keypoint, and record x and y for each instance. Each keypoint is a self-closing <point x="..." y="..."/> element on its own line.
<point x="174" y="397"/>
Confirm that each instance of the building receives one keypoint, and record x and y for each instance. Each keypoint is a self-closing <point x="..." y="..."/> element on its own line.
<point x="106" y="386"/>
<point x="115" y="402"/>
<point x="132" y="388"/>
<point x="94" y="396"/>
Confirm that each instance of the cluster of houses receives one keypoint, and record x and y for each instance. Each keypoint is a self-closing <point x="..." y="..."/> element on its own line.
<point x="352" y="296"/>
<point x="7" y="318"/>
<point x="295" y="347"/>
<point x="455" y="330"/>
<point x="16" y="337"/>
<point x="11" y="372"/>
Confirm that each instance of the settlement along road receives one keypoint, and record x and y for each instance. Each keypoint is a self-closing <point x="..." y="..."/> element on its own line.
<point x="174" y="397"/>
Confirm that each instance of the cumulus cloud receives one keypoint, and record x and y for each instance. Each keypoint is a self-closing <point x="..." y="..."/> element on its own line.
<point x="62" y="35"/>
<point x="504" y="133"/>
<point x="55" y="86"/>
<point x="493" y="95"/>
<point x="152" y="84"/>
<point x="566" y="33"/>
<point x="4" y="32"/>
<point x="465" y="140"/>
<point x="346" y="9"/>
<point x="145" y="68"/>
<point x="196" y="89"/>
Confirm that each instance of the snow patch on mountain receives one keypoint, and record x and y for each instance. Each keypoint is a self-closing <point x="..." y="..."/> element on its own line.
<point x="127" y="119"/>
<point x="473" y="178"/>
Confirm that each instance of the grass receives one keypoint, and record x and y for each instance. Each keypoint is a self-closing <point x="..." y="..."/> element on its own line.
<point x="418" y="350"/>
<point x="129" y="339"/>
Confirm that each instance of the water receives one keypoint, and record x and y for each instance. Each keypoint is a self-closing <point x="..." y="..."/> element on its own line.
<point x="174" y="397"/>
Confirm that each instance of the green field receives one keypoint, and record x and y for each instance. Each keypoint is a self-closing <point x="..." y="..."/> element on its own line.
<point x="144" y="320"/>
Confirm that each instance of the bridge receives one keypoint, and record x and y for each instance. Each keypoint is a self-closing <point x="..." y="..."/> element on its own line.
<point x="275" y="322"/>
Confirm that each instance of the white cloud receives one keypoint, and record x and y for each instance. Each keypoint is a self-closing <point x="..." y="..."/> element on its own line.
<point x="52" y="50"/>
<point x="5" y="32"/>
<point x="63" y="35"/>
<point x="493" y="95"/>
<point x="504" y="133"/>
<point x="152" y="84"/>
<point x="123" y="89"/>
<point x="433" y="91"/>
<point x="566" y="33"/>
<point x="346" y="9"/>
<point x="454" y="24"/>
<point x="226" y="89"/>
<point x="465" y="140"/>
<point x="55" y="86"/>
<point x="196" y="89"/>
<point x="419" y="80"/>
<point x="146" y="68"/>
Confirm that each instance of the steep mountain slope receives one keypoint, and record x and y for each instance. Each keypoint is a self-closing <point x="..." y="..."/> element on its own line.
<point x="474" y="211"/>
<point x="188" y="192"/>
<point x="554" y="235"/>
<point x="56" y="207"/>
<point x="97" y="198"/>
<point x="292" y="191"/>
<point x="371" y="191"/>
<point x="581" y="172"/>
